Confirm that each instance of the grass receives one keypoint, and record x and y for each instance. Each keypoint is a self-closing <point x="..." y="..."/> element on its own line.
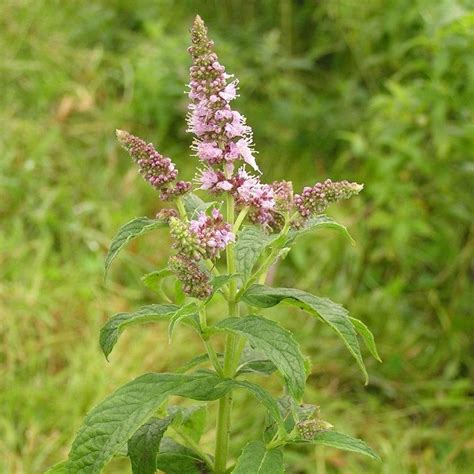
<point x="378" y="94"/>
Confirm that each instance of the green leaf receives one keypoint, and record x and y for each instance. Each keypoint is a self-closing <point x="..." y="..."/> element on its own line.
<point x="257" y="459"/>
<point x="219" y="281"/>
<point x="175" y="458"/>
<point x="254" y="362"/>
<point x="263" y="397"/>
<point x="182" y="313"/>
<point x="333" y="314"/>
<point x="190" y="420"/>
<point x="276" y="343"/>
<point x="108" y="427"/>
<point x="112" y="329"/>
<point x="257" y="366"/>
<point x="193" y="204"/>
<point x="320" y="222"/>
<point x="59" y="468"/>
<point x="367" y="337"/>
<point x="344" y="442"/>
<point x="128" y="232"/>
<point x="153" y="280"/>
<point x="143" y="446"/>
<point x="251" y="243"/>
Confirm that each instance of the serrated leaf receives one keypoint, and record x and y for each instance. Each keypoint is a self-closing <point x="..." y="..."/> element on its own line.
<point x="263" y="397"/>
<point x="128" y="232"/>
<point x="320" y="222"/>
<point x="193" y="204"/>
<point x="182" y="313"/>
<point x="153" y="280"/>
<point x="254" y="362"/>
<point x="251" y="243"/>
<point x="366" y="334"/>
<point x="257" y="459"/>
<point x="59" y="468"/>
<point x="343" y="442"/>
<point x="143" y="446"/>
<point x="257" y="366"/>
<point x="112" y="329"/>
<point x="276" y="343"/>
<point x="108" y="427"/>
<point x="333" y="314"/>
<point x="190" y="420"/>
<point x="175" y="458"/>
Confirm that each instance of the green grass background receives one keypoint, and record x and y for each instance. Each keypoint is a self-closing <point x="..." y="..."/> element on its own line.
<point x="380" y="92"/>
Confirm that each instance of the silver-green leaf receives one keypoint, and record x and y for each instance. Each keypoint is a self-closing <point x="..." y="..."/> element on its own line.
<point x="257" y="459"/>
<point x="111" y="331"/>
<point x="320" y="222"/>
<point x="276" y="343"/>
<point x="333" y="314"/>
<point x="108" y="427"/>
<point x="128" y="232"/>
<point x="143" y="446"/>
<point x="263" y="397"/>
<point x="251" y="243"/>
<point x="343" y="442"/>
<point x="175" y="458"/>
<point x="366" y="334"/>
<point x="194" y="204"/>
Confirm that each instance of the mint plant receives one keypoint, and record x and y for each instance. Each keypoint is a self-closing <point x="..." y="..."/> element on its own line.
<point x="222" y="249"/>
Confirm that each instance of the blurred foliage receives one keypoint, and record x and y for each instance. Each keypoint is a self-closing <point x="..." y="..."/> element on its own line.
<point x="379" y="92"/>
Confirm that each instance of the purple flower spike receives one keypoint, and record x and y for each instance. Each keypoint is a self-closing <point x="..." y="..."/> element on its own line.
<point x="316" y="200"/>
<point x="222" y="135"/>
<point x="158" y="170"/>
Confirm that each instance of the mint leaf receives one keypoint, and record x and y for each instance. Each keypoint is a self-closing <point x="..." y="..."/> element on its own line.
<point x="112" y="329"/>
<point x="333" y="314"/>
<point x="144" y="444"/>
<point x="175" y="458"/>
<point x="182" y="313"/>
<point x="263" y="397"/>
<point x="193" y="204"/>
<point x="190" y="420"/>
<point x="320" y="222"/>
<point x="257" y="366"/>
<point x="257" y="459"/>
<point x="250" y="245"/>
<point x="344" y="442"/>
<point x="366" y="334"/>
<point x="108" y="427"/>
<point x="276" y="343"/>
<point x="128" y="232"/>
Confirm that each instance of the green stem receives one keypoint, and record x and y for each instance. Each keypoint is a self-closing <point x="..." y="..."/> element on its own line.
<point x="210" y="350"/>
<point x="240" y="218"/>
<point x="230" y="353"/>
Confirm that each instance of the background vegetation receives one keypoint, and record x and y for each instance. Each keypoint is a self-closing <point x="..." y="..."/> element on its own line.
<point x="380" y="92"/>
